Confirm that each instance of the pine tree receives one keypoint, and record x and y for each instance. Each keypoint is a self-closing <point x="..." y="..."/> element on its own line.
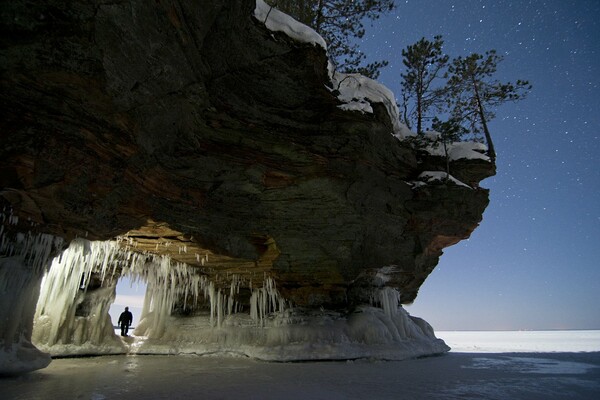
<point x="450" y="131"/>
<point x="340" y="23"/>
<point x="424" y="62"/>
<point x="472" y="91"/>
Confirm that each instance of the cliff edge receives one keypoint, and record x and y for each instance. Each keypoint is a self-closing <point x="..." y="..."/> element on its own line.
<point x="193" y="123"/>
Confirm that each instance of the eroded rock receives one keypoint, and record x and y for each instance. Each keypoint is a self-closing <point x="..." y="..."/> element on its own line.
<point x="191" y="123"/>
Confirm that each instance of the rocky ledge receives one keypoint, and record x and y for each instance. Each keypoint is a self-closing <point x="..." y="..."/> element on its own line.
<point x="192" y="123"/>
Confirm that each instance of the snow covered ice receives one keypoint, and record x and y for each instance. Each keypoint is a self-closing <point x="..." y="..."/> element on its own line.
<point x="522" y="341"/>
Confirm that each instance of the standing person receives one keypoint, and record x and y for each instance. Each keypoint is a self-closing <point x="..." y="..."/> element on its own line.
<point x="125" y="320"/>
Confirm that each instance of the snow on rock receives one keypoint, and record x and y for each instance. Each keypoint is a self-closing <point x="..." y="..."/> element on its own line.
<point x="456" y="150"/>
<point x="468" y="150"/>
<point x="437" y="176"/>
<point x="278" y="21"/>
<point x="357" y="92"/>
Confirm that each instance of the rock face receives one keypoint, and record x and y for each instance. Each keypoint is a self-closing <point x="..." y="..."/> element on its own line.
<point x="190" y="122"/>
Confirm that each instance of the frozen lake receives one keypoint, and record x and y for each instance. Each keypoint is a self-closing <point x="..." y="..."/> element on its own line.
<point x="545" y="375"/>
<point x="521" y="341"/>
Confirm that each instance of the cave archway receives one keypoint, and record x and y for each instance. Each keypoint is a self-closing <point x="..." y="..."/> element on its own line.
<point x="129" y="292"/>
<point x="190" y="309"/>
<point x="77" y="292"/>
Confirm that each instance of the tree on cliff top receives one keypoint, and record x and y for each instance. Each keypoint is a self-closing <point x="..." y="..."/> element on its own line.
<point x="424" y="62"/>
<point x="472" y="91"/>
<point x="450" y="131"/>
<point x="339" y="22"/>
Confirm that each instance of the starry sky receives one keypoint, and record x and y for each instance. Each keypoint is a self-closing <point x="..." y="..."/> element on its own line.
<point x="533" y="263"/>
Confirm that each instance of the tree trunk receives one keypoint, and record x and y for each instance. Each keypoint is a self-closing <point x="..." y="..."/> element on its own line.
<point x="419" y="92"/>
<point x="419" y="117"/>
<point x="319" y="18"/>
<point x="447" y="160"/>
<point x="405" y="111"/>
<point x="488" y="137"/>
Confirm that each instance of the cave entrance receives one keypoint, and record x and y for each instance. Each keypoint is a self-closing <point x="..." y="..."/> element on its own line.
<point x="90" y="283"/>
<point x="130" y="292"/>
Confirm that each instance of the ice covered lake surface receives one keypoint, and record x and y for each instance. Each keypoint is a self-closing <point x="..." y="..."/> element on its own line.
<point x="521" y="341"/>
<point x="483" y="365"/>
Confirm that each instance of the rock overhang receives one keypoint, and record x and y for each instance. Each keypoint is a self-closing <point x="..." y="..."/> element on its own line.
<point x="208" y="130"/>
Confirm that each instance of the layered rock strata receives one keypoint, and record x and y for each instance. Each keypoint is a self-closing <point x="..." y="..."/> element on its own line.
<point x="192" y="124"/>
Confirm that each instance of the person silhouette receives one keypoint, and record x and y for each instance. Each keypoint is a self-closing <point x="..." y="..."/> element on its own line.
<point x="125" y="320"/>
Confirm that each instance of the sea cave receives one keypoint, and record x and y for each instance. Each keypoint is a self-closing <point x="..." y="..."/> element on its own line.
<point x="275" y="208"/>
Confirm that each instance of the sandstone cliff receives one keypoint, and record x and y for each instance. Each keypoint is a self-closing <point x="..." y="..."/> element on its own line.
<point x="192" y="124"/>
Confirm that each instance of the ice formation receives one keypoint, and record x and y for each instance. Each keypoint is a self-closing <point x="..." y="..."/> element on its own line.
<point x="72" y="314"/>
<point x="23" y="258"/>
<point x="72" y="318"/>
<point x="296" y="334"/>
<point x="185" y="311"/>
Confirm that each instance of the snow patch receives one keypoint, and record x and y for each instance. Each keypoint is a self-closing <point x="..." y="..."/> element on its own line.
<point x="468" y="150"/>
<point x="432" y="144"/>
<point x="357" y="92"/>
<point x="278" y="21"/>
<point x="437" y="176"/>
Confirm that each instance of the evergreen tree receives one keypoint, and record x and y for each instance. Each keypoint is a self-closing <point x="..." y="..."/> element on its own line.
<point x="472" y="91"/>
<point x="340" y="22"/>
<point x="450" y="131"/>
<point x="424" y="62"/>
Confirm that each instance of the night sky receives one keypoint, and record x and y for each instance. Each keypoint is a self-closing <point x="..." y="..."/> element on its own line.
<point x="533" y="261"/>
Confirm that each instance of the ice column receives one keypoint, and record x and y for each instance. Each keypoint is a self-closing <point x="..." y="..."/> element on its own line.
<point x="72" y="314"/>
<point x="72" y="317"/>
<point x="23" y="258"/>
<point x="265" y="300"/>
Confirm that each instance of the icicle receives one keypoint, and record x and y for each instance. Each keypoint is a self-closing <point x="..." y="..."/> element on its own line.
<point x="168" y="282"/>
<point x="388" y="299"/>
<point x="265" y="300"/>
